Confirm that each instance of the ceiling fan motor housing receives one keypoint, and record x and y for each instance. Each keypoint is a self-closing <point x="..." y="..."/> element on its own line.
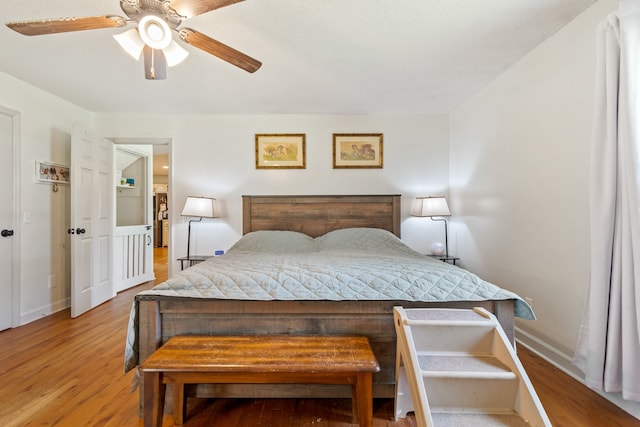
<point x="136" y="10"/>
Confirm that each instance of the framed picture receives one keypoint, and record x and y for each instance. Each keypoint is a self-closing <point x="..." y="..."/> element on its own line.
<point x="52" y="172"/>
<point x="280" y="151"/>
<point x="357" y="150"/>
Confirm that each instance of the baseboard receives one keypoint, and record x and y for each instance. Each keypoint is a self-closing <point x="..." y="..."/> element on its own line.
<point x="45" y="311"/>
<point x="564" y="362"/>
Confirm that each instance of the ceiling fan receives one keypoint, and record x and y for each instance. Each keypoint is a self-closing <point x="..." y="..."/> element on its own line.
<point x="152" y="38"/>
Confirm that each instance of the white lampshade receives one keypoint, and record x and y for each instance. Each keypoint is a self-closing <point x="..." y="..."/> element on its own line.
<point x="131" y="42"/>
<point x="174" y="53"/>
<point x="203" y="207"/>
<point x="430" y="206"/>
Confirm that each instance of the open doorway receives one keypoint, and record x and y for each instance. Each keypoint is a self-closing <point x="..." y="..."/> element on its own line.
<point x="160" y="179"/>
<point x="133" y="233"/>
<point x="161" y="224"/>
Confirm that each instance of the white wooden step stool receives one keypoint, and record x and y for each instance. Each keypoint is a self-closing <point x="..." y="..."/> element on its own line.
<point x="456" y="368"/>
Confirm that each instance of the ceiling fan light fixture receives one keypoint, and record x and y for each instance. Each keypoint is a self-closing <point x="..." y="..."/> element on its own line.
<point x="131" y="42"/>
<point x="155" y="32"/>
<point x="174" y="53"/>
<point x="156" y="20"/>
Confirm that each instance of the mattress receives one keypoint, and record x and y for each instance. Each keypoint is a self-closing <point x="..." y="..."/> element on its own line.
<point x="355" y="264"/>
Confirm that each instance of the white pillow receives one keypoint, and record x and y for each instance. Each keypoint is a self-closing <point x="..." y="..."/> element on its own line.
<point x="275" y="241"/>
<point x="362" y="239"/>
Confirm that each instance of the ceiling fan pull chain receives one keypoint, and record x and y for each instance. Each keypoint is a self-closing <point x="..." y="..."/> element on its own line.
<point x="153" y="71"/>
<point x="153" y="65"/>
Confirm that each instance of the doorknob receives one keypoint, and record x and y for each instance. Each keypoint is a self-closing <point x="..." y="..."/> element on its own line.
<point x="80" y="230"/>
<point x="6" y="233"/>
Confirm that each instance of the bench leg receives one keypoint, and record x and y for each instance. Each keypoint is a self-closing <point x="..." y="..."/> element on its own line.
<point x="154" y="390"/>
<point x="363" y="399"/>
<point x="179" y="403"/>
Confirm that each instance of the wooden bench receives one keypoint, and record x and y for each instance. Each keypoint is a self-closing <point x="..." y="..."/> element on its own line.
<point x="258" y="359"/>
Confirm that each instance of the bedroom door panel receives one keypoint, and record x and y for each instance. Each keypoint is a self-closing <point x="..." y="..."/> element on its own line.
<point x="7" y="220"/>
<point x="92" y="221"/>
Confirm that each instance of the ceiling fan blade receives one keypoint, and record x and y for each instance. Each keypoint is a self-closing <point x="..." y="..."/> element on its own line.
<point x="221" y="50"/>
<point x="155" y="64"/>
<point x="64" y="25"/>
<point x="191" y="8"/>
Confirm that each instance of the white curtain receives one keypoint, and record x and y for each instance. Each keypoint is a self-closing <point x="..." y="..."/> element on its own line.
<point x="608" y="350"/>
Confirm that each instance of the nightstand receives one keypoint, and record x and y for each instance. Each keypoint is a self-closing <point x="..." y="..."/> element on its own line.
<point x="450" y="259"/>
<point x="192" y="260"/>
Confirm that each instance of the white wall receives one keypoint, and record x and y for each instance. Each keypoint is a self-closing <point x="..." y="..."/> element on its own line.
<point x="520" y="153"/>
<point x="210" y="155"/>
<point x="45" y="134"/>
<point x="215" y="156"/>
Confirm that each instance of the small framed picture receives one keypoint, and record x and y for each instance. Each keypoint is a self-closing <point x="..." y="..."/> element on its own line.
<point x="52" y="172"/>
<point x="280" y="151"/>
<point x="357" y="150"/>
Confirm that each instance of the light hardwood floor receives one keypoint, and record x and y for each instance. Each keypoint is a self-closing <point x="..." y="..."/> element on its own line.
<point x="60" y="371"/>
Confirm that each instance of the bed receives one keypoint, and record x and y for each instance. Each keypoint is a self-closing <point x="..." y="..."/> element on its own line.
<point x="299" y="236"/>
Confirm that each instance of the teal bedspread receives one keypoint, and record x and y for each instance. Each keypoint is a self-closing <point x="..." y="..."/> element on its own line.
<point x="354" y="264"/>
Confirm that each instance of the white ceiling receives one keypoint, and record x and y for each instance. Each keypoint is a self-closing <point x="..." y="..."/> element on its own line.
<point x="319" y="56"/>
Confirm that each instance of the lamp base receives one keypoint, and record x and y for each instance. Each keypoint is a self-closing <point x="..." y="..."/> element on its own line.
<point x="189" y="236"/>
<point x="437" y="248"/>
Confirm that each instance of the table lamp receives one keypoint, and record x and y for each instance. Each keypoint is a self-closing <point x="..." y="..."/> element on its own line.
<point x="201" y="207"/>
<point x="435" y="208"/>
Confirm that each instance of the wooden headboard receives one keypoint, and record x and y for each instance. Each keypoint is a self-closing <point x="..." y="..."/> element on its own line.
<point x="317" y="215"/>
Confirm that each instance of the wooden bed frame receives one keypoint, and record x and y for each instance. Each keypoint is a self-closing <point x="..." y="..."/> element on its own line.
<point x="162" y="317"/>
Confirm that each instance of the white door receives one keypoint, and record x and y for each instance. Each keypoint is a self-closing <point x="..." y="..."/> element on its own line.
<point x="7" y="220"/>
<point x="92" y="221"/>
